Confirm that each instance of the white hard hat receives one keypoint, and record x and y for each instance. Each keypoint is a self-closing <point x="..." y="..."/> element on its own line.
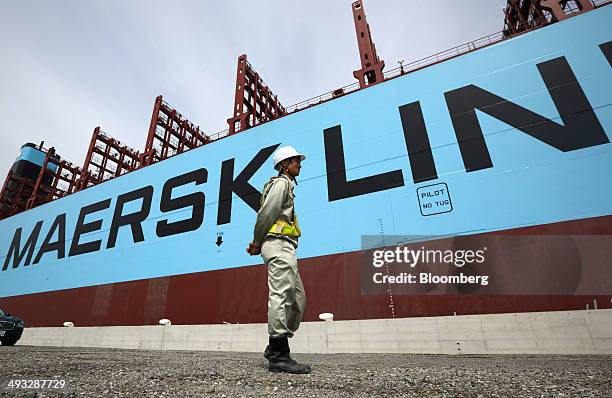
<point x="285" y="152"/>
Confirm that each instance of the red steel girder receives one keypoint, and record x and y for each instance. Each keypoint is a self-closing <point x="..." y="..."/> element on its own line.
<point x="14" y="195"/>
<point x="371" y="66"/>
<point x="19" y="194"/>
<point x="4" y="204"/>
<point x="65" y="180"/>
<point x="41" y="191"/>
<point x="63" y="183"/>
<point x="254" y="102"/>
<point x="522" y="15"/>
<point x="560" y="8"/>
<point x="106" y="158"/>
<point x="169" y="134"/>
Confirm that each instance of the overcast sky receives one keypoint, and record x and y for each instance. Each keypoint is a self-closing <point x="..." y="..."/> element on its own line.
<point x="69" y="66"/>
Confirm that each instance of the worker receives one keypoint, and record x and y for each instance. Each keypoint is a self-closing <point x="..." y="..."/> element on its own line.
<point x="275" y="237"/>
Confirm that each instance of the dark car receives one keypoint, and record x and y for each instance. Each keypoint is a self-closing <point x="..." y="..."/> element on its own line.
<point x="11" y="328"/>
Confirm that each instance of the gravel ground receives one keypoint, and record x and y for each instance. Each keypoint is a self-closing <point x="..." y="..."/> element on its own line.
<point x="110" y="372"/>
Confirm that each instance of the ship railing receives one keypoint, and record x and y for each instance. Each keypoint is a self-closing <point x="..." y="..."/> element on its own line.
<point x="414" y="66"/>
<point x="459" y="50"/>
<point x="322" y="98"/>
<point x="220" y="134"/>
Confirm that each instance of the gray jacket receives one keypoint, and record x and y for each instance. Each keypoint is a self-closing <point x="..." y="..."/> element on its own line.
<point x="278" y="204"/>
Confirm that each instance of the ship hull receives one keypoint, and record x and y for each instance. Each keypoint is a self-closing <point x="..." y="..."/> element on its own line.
<point x="513" y="139"/>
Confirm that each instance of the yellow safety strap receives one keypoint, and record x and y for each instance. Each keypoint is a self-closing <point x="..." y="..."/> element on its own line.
<point x="281" y="227"/>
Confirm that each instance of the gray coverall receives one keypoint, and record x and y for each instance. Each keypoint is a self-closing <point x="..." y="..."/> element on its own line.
<point x="287" y="298"/>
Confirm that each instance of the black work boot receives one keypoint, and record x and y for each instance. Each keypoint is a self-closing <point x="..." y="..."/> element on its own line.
<point x="267" y="352"/>
<point x="280" y="360"/>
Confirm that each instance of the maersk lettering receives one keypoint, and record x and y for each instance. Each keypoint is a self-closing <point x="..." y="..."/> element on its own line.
<point x="417" y="143"/>
<point x="134" y="220"/>
<point x="16" y="253"/>
<point x="59" y="245"/>
<point x="240" y="185"/>
<point x="83" y="228"/>
<point x="337" y="185"/>
<point x="580" y="129"/>
<point x="195" y="200"/>
<point x="606" y="49"/>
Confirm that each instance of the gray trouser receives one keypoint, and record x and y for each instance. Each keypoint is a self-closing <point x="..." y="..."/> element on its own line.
<point x="287" y="298"/>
